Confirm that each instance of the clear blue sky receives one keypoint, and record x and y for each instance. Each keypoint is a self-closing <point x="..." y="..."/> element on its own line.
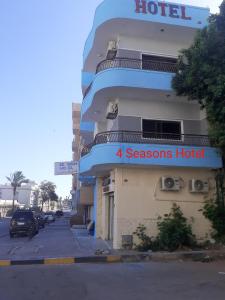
<point x="41" y="46"/>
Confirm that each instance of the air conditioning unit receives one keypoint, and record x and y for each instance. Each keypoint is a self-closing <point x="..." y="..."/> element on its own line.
<point x="111" y="50"/>
<point x="108" y="185"/>
<point x="198" y="186"/>
<point x="170" y="184"/>
<point x="112" y="111"/>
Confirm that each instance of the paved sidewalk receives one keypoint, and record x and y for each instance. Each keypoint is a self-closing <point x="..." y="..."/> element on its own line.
<point x="59" y="244"/>
<point x="54" y="241"/>
<point x="88" y="245"/>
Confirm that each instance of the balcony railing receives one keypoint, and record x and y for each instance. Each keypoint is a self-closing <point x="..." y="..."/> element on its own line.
<point x="132" y="63"/>
<point x="136" y="137"/>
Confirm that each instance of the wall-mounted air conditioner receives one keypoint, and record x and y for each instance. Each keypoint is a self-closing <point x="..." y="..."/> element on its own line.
<point x="170" y="184"/>
<point x="111" y="50"/>
<point x="112" y="111"/>
<point x="198" y="186"/>
<point x="108" y="185"/>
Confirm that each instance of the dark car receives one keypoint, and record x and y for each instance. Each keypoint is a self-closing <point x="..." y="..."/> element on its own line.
<point x="49" y="217"/>
<point x="23" y="222"/>
<point x="41" y="220"/>
<point x="59" y="213"/>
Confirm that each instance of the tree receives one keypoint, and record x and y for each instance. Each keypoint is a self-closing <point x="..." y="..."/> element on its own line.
<point x="16" y="179"/>
<point x="36" y="196"/>
<point x="48" y="193"/>
<point x="201" y="75"/>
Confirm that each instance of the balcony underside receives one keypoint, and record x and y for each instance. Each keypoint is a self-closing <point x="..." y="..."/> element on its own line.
<point x="124" y="83"/>
<point x="104" y="157"/>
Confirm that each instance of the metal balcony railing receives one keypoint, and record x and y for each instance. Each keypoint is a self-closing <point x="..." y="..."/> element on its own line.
<point x="132" y="63"/>
<point x="137" y="137"/>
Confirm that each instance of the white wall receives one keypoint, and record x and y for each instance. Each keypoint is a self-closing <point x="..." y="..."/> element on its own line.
<point x="154" y="108"/>
<point x="152" y="46"/>
<point x="24" y="193"/>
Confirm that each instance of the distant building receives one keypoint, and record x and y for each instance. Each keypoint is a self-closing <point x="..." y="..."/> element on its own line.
<point x="24" y="194"/>
<point x="82" y="192"/>
<point x="5" y="206"/>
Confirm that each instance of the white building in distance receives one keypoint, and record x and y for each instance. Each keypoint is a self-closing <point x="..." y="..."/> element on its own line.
<point x="24" y="194"/>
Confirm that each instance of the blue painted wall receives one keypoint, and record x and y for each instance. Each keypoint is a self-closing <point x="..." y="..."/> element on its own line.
<point x="125" y="9"/>
<point x="120" y="77"/>
<point x="87" y="126"/>
<point x="106" y="154"/>
<point x="87" y="78"/>
<point x="87" y="179"/>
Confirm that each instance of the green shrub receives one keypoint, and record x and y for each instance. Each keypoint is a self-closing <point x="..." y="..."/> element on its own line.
<point x="215" y="213"/>
<point x="214" y="210"/>
<point x="146" y="242"/>
<point x="174" y="233"/>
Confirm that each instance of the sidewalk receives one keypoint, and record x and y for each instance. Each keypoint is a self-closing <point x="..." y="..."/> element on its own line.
<point x="88" y="245"/>
<point x="58" y="244"/>
<point x="54" y="241"/>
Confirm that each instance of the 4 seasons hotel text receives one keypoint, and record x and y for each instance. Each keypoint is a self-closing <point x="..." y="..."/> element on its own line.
<point x="151" y="154"/>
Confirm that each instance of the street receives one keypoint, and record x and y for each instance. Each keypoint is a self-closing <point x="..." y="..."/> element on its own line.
<point x="4" y="225"/>
<point x="154" y="280"/>
<point x="55" y="240"/>
<point x="158" y="281"/>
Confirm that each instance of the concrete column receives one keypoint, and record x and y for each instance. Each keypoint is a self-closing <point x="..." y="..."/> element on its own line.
<point x="98" y="208"/>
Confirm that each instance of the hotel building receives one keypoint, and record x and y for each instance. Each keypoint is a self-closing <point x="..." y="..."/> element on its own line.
<point x="82" y="191"/>
<point x="145" y="148"/>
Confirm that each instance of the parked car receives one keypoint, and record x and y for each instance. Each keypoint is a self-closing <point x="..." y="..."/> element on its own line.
<point x="41" y="220"/>
<point x="49" y="217"/>
<point x="23" y="222"/>
<point x="59" y="213"/>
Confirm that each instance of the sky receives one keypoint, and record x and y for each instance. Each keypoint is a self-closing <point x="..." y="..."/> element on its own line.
<point x="41" y="47"/>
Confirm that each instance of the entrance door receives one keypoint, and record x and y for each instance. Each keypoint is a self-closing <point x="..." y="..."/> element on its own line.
<point x="110" y="216"/>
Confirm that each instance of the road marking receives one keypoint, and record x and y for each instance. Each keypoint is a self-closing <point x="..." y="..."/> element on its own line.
<point x="59" y="261"/>
<point x="5" y="263"/>
<point x="113" y="258"/>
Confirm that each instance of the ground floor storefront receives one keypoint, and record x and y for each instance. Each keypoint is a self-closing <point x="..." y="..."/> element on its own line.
<point x="128" y="197"/>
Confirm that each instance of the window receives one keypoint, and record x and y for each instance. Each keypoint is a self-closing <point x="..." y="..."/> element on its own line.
<point x="159" y="63"/>
<point x="160" y="129"/>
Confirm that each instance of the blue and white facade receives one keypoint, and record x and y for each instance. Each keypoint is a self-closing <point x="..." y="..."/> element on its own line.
<point x="150" y="148"/>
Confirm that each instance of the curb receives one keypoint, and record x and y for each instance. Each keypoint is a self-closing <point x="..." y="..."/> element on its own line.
<point x="77" y="260"/>
<point x="196" y="256"/>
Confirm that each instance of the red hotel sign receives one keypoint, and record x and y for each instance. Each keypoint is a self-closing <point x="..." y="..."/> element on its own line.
<point x="164" y="9"/>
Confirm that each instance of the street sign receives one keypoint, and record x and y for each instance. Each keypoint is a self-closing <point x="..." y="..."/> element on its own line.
<point x="66" y="168"/>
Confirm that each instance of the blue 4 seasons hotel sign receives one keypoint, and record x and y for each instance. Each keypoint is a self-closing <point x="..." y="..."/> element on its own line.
<point x="164" y="9"/>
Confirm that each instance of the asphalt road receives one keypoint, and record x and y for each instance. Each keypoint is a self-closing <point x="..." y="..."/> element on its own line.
<point x="151" y="281"/>
<point x="4" y="225"/>
<point x="54" y="240"/>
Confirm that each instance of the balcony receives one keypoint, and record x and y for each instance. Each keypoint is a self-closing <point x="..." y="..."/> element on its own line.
<point x="136" y="64"/>
<point x="133" y="149"/>
<point x="131" y="63"/>
<point x="148" y="138"/>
